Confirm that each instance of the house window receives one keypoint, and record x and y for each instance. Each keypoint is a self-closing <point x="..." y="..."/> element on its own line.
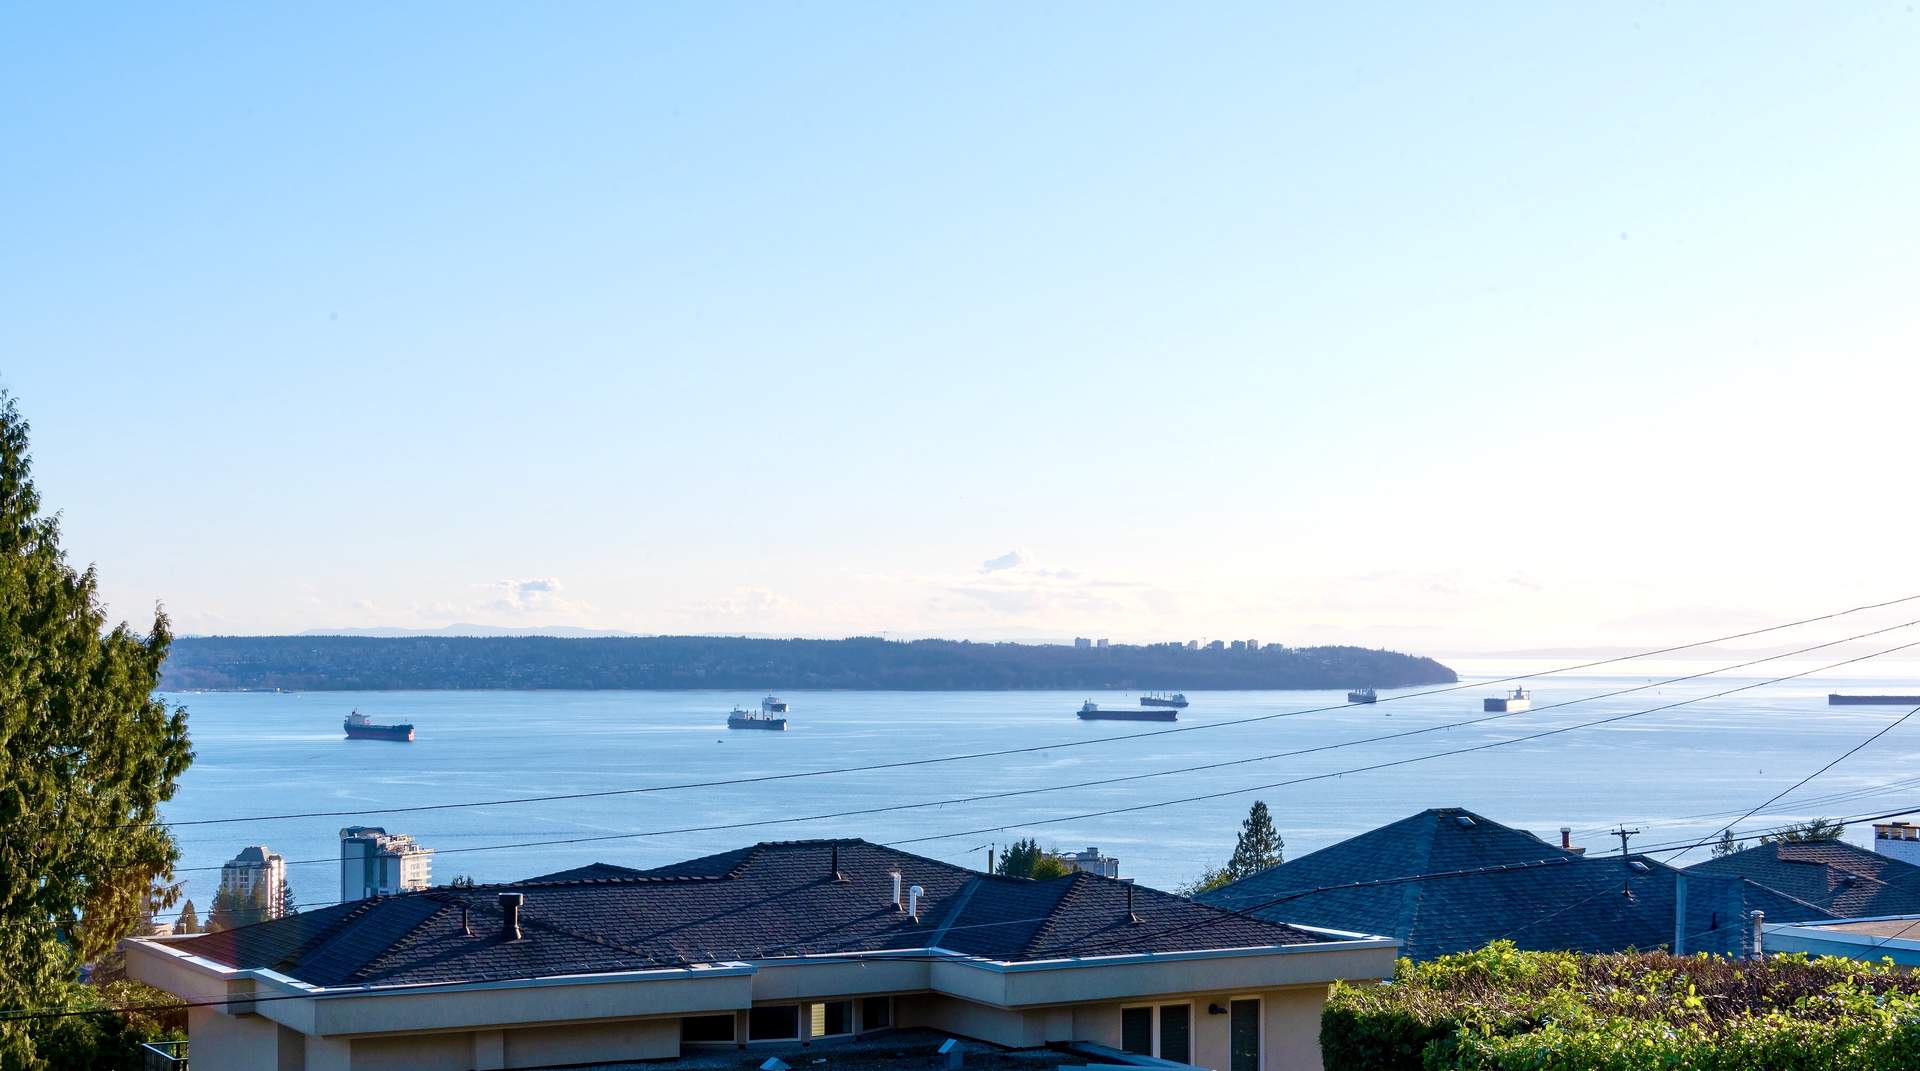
<point x="1136" y="1031"/>
<point x="876" y="1013"/>
<point x="832" y="1018"/>
<point x="1243" y="1035"/>
<point x="1165" y="1031"/>
<point x="778" y="1023"/>
<point x="695" y="1029"/>
<point x="1175" y="1032"/>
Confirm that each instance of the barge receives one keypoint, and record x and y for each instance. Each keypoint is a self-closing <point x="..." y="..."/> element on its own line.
<point x="361" y="727"/>
<point x="1089" y="711"/>
<point x="772" y="716"/>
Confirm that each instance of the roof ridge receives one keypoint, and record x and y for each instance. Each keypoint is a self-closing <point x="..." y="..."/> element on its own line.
<point x="1069" y="884"/>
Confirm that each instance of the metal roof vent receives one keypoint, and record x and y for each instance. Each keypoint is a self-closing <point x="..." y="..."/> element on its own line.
<point x="1463" y="821"/>
<point x="1639" y="867"/>
<point x="510" y="915"/>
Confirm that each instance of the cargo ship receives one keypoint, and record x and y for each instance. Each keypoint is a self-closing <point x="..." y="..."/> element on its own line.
<point x="1362" y="695"/>
<point x="1162" y="699"/>
<point x="1091" y="712"/>
<point x="1512" y="703"/>
<point x="1835" y="699"/>
<point x="361" y="727"/>
<point x="772" y="715"/>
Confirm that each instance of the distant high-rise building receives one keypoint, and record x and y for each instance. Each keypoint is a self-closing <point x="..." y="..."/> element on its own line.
<point x="1093" y="862"/>
<point x="1100" y="643"/>
<point x="256" y="875"/>
<point x="1193" y="645"/>
<point x="1217" y="645"/>
<point x="374" y="862"/>
<point x="1239" y="645"/>
<point x="1253" y="645"/>
<point x="1082" y="642"/>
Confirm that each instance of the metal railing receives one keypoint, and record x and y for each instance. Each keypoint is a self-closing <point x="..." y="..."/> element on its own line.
<point x="164" y="1056"/>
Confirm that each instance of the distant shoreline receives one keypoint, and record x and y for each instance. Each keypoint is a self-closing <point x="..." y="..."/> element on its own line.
<point x="678" y="663"/>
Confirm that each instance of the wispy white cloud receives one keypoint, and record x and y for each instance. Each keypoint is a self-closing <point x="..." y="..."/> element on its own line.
<point x="1012" y="559"/>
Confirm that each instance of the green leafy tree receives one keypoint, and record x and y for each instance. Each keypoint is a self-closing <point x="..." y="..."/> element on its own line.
<point x="189" y="920"/>
<point x="1026" y="859"/>
<point x="1259" y="846"/>
<point x="87" y="755"/>
<point x="1211" y="878"/>
<point x="462" y="881"/>
<point x="1813" y="829"/>
<point x="232" y="910"/>
<point x="1726" y="845"/>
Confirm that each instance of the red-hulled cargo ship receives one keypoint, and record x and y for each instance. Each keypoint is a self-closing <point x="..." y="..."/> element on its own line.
<point x="361" y="727"/>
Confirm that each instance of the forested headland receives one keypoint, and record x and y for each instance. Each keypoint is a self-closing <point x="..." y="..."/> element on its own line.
<point x="342" y="663"/>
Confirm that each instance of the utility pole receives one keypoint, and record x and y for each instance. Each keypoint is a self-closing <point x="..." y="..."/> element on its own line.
<point x="1626" y="874"/>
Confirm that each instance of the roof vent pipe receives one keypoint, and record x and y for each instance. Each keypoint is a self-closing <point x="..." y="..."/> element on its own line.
<point x="1131" y="917"/>
<point x="510" y="915"/>
<point x="834" y="867"/>
<point x="466" y="918"/>
<point x="1758" y="919"/>
<point x="895" y="875"/>
<point x="913" y="901"/>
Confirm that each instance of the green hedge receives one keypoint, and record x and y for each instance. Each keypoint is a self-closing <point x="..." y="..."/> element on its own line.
<point x="1500" y="1009"/>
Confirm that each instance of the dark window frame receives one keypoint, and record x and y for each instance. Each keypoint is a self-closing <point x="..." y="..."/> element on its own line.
<point x="754" y="1034"/>
<point x="733" y="1029"/>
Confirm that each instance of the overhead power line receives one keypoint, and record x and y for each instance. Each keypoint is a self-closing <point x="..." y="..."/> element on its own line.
<point x="1027" y="749"/>
<point x="896" y="807"/>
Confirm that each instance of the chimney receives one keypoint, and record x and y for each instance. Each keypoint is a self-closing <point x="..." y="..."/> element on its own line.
<point x="989" y="858"/>
<point x="1756" y="949"/>
<point x="510" y="915"/>
<point x="913" y="901"/>
<point x="895" y="875"/>
<point x="1566" y="837"/>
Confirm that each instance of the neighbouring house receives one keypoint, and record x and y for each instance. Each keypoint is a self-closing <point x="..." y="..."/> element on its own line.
<point x="1900" y="840"/>
<point x="1841" y="879"/>
<point x="776" y="946"/>
<point x="256" y="873"/>
<point x="1449" y="880"/>
<point x="374" y="862"/>
<point x="1895" y="937"/>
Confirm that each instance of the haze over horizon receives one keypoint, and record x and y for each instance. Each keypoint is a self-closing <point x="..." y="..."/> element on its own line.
<point x="1558" y="328"/>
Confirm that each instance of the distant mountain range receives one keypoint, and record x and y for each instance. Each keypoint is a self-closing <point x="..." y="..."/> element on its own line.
<point x="455" y="661"/>
<point x="470" y="630"/>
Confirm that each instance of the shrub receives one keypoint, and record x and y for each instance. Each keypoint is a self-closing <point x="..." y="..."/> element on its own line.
<point x="1500" y="1009"/>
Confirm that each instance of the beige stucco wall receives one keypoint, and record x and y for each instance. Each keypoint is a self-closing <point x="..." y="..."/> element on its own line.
<point x="600" y="1043"/>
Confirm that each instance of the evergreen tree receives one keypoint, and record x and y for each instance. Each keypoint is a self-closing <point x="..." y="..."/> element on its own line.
<point x="1726" y="845"/>
<point x="1026" y="859"/>
<point x="87" y="755"/>
<point x="461" y="881"/>
<point x="288" y="905"/>
<point x="1259" y="846"/>
<point x="189" y="920"/>
<point x="1813" y="829"/>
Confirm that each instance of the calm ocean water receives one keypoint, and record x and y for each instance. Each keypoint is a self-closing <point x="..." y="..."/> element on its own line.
<point x="262" y="753"/>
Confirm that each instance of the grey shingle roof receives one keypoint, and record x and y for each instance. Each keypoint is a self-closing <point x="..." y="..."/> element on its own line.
<point x="1842" y="879"/>
<point x="1545" y="898"/>
<point x="765" y="901"/>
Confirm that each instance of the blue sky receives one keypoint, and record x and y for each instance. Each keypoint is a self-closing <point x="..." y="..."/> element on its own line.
<point x="1528" y="325"/>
